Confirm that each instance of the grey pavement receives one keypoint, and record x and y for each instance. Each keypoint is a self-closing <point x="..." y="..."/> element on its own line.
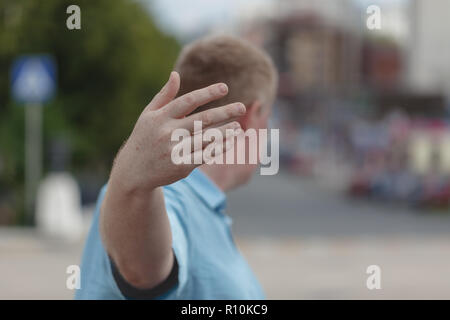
<point x="303" y="240"/>
<point x="291" y="206"/>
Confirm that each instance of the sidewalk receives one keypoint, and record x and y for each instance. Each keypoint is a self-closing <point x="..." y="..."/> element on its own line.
<point x="33" y="267"/>
<point x="288" y="268"/>
<point x="411" y="268"/>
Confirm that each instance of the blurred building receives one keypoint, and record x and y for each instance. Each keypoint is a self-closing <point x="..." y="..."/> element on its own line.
<point x="428" y="46"/>
<point x="343" y="13"/>
<point x="314" y="54"/>
<point x="317" y="47"/>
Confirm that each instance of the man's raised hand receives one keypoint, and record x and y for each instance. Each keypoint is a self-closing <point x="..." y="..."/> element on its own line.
<point x="145" y="160"/>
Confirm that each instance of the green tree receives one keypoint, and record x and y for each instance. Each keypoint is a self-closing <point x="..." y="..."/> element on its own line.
<point x="107" y="73"/>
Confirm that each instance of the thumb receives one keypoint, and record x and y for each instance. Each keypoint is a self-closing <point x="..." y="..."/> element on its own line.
<point x="167" y="93"/>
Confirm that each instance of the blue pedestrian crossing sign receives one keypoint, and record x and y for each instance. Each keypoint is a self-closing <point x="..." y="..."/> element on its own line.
<point x="33" y="79"/>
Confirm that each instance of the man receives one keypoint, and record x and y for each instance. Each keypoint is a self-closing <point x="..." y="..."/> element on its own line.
<point x="160" y="230"/>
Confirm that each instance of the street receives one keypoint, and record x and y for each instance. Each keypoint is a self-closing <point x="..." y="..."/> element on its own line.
<point x="306" y="241"/>
<point x="303" y="240"/>
<point x="285" y="205"/>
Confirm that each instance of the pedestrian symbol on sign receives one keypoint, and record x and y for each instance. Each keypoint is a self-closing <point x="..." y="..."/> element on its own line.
<point x="33" y="79"/>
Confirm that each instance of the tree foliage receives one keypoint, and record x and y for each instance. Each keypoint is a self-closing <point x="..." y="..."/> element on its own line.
<point x="107" y="73"/>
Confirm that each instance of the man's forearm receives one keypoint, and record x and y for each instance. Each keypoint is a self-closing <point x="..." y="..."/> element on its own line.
<point x="136" y="233"/>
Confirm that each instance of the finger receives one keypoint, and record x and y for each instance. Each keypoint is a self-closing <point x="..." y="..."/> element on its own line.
<point x="210" y="153"/>
<point x="214" y="152"/>
<point x="223" y="132"/>
<point x="214" y="117"/>
<point x="201" y="140"/>
<point x="167" y="93"/>
<point x="184" y="105"/>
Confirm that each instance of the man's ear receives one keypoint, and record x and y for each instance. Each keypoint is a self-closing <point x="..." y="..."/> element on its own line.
<point x="250" y="118"/>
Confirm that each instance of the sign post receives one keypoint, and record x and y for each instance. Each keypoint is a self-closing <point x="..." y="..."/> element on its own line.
<point x="33" y="83"/>
<point x="33" y="154"/>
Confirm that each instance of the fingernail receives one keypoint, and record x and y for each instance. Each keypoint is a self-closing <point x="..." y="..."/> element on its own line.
<point x="241" y="108"/>
<point x="223" y="88"/>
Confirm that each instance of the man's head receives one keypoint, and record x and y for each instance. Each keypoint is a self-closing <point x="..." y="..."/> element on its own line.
<point x="247" y="70"/>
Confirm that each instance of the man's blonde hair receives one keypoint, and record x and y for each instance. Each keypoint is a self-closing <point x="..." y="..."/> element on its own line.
<point x="247" y="70"/>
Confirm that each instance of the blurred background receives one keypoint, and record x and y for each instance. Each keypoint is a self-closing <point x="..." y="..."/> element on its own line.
<point x="364" y="137"/>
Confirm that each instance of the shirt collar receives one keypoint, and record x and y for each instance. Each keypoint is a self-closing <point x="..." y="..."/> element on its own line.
<point x="205" y="188"/>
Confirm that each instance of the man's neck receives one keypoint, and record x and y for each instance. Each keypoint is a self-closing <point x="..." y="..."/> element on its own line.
<point x="221" y="175"/>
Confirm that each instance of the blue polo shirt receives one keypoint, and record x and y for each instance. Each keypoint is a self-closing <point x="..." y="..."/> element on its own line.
<point x="208" y="265"/>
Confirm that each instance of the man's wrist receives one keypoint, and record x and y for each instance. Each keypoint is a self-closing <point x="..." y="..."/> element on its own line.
<point x="126" y="176"/>
<point x="128" y="186"/>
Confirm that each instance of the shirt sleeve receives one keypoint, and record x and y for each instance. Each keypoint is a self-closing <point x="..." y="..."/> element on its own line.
<point x="175" y="285"/>
<point x="180" y="245"/>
